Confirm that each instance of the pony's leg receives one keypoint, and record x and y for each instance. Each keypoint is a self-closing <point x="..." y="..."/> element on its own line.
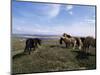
<point x="85" y="50"/>
<point x="36" y="45"/>
<point x="29" y="51"/>
<point x="66" y="45"/>
<point x="80" y="47"/>
<point x="88" y="50"/>
<point x="34" y="48"/>
<point x="25" y="49"/>
<point x="74" y="45"/>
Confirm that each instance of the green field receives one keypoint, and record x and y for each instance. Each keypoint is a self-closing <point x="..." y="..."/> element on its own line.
<point x="50" y="56"/>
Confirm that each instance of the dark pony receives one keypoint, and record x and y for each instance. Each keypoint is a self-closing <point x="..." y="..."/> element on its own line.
<point x="88" y="42"/>
<point x="32" y="43"/>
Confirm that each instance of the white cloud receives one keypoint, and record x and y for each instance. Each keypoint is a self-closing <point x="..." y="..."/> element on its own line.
<point x="76" y="29"/>
<point x="45" y="10"/>
<point x="69" y="7"/>
<point x="52" y="10"/>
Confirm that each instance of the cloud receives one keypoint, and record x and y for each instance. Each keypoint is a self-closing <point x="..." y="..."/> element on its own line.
<point x="43" y="10"/>
<point x="50" y="10"/>
<point x="55" y="11"/>
<point x="76" y="29"/>
<point x="36" y="10"/>
<point x="69" y="7"/>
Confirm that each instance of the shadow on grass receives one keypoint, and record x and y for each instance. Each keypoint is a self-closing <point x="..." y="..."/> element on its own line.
<point x="52" y="46"/>
<point x="63" y="47"/>
<point x="82" y="54"/>
<point x="58" y="46"/>
<point x="19" y="55"/>
<point x="86" y="60"/>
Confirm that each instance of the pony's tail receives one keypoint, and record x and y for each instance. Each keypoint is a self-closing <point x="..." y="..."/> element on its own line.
<point x="60" y="41"/>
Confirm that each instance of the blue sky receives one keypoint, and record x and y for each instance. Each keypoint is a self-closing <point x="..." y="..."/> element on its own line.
<point x="41" y="18"/>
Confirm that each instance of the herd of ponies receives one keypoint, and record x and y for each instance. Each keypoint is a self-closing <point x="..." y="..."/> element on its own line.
<point x="82" y="43"/>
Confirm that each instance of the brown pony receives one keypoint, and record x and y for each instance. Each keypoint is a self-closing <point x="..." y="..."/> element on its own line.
<point x="69" y="40"/>
<point x="66" y="41"/>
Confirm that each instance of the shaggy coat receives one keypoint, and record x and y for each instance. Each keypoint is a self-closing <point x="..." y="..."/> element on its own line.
<point x="69" y="40"/>
<point x="32" y="43"/>
<point x="89" y="42"/>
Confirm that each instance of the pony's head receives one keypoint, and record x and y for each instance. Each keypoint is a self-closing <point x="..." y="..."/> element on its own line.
<point x="60" y="41"/>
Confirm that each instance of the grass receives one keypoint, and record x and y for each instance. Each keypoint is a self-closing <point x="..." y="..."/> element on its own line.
<point x="50" y="56"/>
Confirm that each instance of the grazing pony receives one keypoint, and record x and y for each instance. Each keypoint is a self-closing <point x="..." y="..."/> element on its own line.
<point x="68" y="40"/>
<point x="88" y="42"/>
<point x="32" y="43"/>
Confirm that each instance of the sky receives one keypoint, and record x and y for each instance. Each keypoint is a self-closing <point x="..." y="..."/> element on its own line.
<point x="52" y="19"/>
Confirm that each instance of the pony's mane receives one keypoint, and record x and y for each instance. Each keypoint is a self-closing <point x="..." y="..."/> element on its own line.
<point x="67" y="35"/>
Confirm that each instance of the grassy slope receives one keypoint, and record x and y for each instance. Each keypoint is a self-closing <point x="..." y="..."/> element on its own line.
<point x="50" y="57"/>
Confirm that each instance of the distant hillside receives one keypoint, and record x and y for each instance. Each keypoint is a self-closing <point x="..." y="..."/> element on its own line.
<point x="36" y="36"/>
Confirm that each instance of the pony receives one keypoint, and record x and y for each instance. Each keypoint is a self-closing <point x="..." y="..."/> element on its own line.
<point x="66" y="41"/>
<point x="69" y="40"/>
<point x="31" y="43"/>
<point x="88" y="42"/>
